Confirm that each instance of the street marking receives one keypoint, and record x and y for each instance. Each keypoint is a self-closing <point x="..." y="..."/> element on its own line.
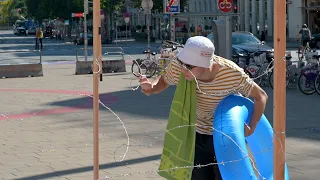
<point x="109" y="99"/>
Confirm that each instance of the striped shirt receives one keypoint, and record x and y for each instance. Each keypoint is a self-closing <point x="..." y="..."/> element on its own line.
<point x="230" y="79"/>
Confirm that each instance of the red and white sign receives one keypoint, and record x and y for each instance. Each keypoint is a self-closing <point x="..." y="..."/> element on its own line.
<point x="225" y="5"/>
<point x="77" y="15"/>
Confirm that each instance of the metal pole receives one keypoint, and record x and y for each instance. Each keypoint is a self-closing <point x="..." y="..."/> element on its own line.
<point x="85" y="29"/>
<point x="148" y="28"/>
<point x="97" y="57"/>
<point x="228" y="37"/>
<point x="126" y="32"/>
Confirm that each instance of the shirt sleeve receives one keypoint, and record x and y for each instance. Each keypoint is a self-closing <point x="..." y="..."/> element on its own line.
<point x="245" y="84"/>
<point x="172" y="73"/>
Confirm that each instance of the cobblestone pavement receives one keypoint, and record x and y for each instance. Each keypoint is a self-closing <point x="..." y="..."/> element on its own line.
<point x="46" y="130"/>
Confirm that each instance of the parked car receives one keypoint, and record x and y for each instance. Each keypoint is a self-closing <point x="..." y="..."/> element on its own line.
<point x="21" y="31"/>
<point x="245" y="43"/>
<point x="32" y="30"/>
<point x="80" y="39"/>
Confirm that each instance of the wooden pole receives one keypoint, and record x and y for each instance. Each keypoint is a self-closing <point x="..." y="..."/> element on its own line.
<point x="279" y="100"/>
<point x="96" y="63"/>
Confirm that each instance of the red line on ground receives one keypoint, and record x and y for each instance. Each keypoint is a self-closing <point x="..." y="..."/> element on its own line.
<point x="111" y="99"/>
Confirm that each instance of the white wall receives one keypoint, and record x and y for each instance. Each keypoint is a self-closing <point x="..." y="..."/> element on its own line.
<point x="295" y="18"/>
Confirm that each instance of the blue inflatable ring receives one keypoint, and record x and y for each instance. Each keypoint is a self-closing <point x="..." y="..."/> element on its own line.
<point x="231" y="152"/>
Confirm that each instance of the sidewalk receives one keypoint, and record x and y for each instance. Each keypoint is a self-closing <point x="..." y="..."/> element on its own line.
<point x="46" y="128"/>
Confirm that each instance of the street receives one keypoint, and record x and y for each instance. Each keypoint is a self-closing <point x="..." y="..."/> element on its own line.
<point x="46" y="122"/>
<point x="60" y="51"/>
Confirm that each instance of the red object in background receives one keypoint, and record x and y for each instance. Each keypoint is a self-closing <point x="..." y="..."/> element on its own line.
<point x="225" y="5"/>
<point x="19" y="10"/>
<point x="126" y="14"/>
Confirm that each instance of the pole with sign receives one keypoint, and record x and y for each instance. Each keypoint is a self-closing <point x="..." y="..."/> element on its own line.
<point x="147" y="6"/>
<point x="171" y="7"/>
<point x="225" y="7"/>
<point x="127" y="20"/>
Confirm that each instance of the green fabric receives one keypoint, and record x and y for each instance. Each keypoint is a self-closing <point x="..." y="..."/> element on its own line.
<point x="178" y="149"/>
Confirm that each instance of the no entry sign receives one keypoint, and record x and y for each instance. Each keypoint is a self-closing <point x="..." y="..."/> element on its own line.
<point x="225" y="5"/>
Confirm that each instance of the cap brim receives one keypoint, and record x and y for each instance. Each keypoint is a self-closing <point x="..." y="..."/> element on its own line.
<point x="190" y="59"/>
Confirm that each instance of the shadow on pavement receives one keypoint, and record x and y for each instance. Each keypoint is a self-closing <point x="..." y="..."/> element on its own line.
<point x="90" y="168"/>
<point x="302" y="111"/>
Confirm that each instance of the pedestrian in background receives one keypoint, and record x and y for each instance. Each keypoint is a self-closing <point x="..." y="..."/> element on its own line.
<point x="39" y="37"/>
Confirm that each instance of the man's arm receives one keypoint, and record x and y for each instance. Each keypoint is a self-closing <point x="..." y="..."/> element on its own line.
<point x="260" y="100"/>
<point x="159" y="85"/>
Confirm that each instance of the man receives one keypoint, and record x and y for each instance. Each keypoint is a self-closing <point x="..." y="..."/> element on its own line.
<point x="39" y="37"/>
<point x="214" y="75"/>
<point x="305" y="37"/>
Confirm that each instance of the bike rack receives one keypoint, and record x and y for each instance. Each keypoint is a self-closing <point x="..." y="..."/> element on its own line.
<point x="109" y="64"/>
<point x="23" y="68"/>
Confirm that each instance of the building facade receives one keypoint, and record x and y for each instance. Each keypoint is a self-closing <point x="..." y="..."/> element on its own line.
<point x="257" y="15"/>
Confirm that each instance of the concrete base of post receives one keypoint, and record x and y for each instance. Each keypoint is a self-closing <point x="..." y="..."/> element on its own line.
<point x="21" y="70"/>
<point x="108" y="66"/>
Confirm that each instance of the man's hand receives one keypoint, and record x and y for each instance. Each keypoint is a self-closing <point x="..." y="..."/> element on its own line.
<point x="146" y="85"/>
<point x="248" y="130"/>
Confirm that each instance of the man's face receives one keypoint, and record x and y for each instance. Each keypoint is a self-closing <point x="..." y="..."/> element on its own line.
<point x="191" y="72"/>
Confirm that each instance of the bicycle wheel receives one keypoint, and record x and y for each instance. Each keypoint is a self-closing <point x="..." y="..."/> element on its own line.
<point x="135" y="69"/>
<point x="151" y="70"/>
<point x="271" y="78"/>
<point x="317" y="84"/>
<point x="304" y="82"/>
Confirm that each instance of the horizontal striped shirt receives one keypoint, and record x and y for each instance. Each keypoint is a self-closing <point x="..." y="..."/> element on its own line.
<point x="230" y="79"/>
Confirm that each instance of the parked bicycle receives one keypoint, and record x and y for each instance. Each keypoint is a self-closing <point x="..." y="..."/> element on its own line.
<point x="152" y="66"/>
<point x="317" y="82"/>
<point x="308" y="76"/>
<point x="255" y="65"/>
<point x="291" y="75"/>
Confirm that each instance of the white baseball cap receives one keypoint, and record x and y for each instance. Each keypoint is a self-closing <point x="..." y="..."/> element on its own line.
<point x="198" y="51"/>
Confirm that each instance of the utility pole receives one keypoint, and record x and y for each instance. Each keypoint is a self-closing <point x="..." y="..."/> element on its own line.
<point x="96" y="63"/>
<point x="85" y="28"/>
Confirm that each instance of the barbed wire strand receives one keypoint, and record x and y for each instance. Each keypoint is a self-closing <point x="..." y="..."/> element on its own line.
<point x="128" y="138"/>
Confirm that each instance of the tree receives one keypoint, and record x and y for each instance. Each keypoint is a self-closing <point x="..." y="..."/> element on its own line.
<point x="9" y="10"/>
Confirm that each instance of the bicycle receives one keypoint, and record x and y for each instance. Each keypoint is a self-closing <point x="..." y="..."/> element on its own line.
<point x="308" y="75"/>
<point x="147" y="67"/>
<point x="290" y="72"/>
<point x="255" y="65"/>
<point x="306" y="50"/>
<point x="154" y="65"/>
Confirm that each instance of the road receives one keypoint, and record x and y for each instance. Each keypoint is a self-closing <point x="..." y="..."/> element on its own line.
<point x="59" y="51"/>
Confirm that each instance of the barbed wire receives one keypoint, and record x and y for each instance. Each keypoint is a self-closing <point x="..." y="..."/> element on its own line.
<point x="150" y="145"/>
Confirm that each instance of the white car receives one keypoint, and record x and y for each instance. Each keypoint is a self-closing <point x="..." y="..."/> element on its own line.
<point x="32" y="30"/>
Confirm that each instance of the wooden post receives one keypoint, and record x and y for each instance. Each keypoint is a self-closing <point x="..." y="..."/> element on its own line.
<point x="279" y="100"/>
<point x="96" y="63"/>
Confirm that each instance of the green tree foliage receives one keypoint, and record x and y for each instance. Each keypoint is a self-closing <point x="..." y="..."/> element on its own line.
<point x="9" y="10"/>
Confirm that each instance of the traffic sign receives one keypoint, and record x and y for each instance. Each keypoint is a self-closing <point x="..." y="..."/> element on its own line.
<point x="225" y="5"/>
<point x="77" y="15"/>
<point x="171" y="6"/>
<point x="147" y="5"/>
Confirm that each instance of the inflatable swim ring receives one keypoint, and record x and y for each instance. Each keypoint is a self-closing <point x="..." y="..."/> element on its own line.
<point x="231" y="114"/>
